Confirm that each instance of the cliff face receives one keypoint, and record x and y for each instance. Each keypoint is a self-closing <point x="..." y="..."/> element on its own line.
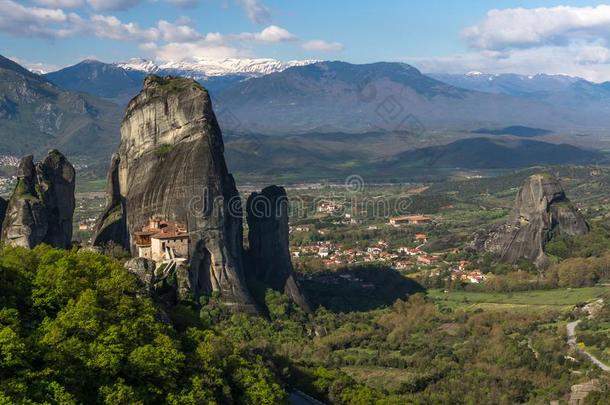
<point x="112" y="225"/>
<point x="3" y="205"/>
<point x="541" y="211"/>
<point x="267" y="214"/>
<point x="42" y="205"/>
<point x="170" y="164"/>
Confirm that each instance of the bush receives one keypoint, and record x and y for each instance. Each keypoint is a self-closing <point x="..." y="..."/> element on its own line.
<point x="163" y="150"/>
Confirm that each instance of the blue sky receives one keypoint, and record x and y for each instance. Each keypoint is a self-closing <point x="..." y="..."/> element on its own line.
<point x="568" y="37"/>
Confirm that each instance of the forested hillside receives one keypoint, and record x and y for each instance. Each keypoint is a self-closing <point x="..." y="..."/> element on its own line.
<point x="77" y="328"/>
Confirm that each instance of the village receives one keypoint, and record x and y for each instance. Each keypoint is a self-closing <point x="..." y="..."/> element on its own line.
<point x="409" y="258"/>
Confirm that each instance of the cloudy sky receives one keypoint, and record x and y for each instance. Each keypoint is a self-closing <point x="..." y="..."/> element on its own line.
<point x="568" y="37"/>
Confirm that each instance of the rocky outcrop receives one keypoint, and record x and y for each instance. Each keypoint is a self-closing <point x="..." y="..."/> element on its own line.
<point x="112" y="226"/>
<point x="541" y="212"/>
<point x="269" y="256"/>
<point x="3" y="205"/>
<point x="144" y="270"/>
<point x="42" y="205"/>
<point x="165" y="283"/>
<point x="170" y="164"/>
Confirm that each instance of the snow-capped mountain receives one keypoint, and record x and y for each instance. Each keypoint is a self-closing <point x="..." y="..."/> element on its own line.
<point x="119" y="82"/>
<point x="139" y="65"/>
<point x="202" y="68"/>
<point x="511" y="84"/>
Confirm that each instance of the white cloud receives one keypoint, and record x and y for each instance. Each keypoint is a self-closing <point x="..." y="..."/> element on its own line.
<point x="256" y="11"/>
<point x="322" y="46"/>
<point x="589" y="62"/>
<point x="203" y="49"/>
<point x="110" y="27"/>
<point x="20" y="20"/>
<point x="520" y="27"/>
<point x="271" y="34"/>
<point x="176" y="32"/>
<point x="60" y="3"/>
<point x="177" y="40"/>
<point x="555" y="40"/>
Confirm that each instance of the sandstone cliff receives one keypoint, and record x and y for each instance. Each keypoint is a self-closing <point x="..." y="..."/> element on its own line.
<point x="170" y="163"/>
<point x="541" y="211"/>
<point x="269" y="256"/>
<point x="41" y="207"/>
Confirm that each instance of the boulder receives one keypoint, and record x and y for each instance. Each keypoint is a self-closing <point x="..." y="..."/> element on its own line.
<point x="41" y="207"/>
<point x="170" y="164"/>
<point x="269" y="253"/>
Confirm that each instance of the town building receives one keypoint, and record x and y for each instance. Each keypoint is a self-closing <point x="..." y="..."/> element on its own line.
<point x="410" y="251"/>
<point x="421" y="237"/>
<point x="162" y="240"/>
<point x="323" y="252"/>
<point x="426" y="259"/>
<point x="409" y="220"/>
<point x="329" y="207"/>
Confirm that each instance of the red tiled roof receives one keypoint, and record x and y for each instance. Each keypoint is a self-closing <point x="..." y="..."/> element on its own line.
<point x="412" y="218"/>
<point x="165" y="230"/>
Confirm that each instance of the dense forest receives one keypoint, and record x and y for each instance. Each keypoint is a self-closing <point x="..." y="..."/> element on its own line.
<point x="77" y="328"/>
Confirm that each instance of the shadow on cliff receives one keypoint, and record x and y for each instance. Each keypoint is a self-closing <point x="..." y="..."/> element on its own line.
<point x="358" y="289"/>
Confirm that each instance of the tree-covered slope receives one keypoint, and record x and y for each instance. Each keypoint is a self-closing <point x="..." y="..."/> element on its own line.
<point x="75" y="327"/>
<point x="36" y="115"/>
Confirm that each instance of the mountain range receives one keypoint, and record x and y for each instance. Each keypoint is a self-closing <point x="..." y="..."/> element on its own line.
<point x="119" y="82"/>
<point x="268" y="96"/>
<point x="36" y="115"/>
<point x="332" y="115"/>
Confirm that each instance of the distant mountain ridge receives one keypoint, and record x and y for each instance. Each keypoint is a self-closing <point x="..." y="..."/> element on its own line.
<point x="565" y="92"/>
<point x="383" y="96"/>
<point x="508" y="83"/>
<point x="103" y="80"/>
<point x="316" y="120"/>
<point x="270" y="96"/>
<point x="36" y="115"/>
<point x="486" y="153"/>
<point x="119" y="82"/>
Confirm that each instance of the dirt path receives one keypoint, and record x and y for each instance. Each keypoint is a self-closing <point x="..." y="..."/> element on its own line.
<point x="571" y="329"/>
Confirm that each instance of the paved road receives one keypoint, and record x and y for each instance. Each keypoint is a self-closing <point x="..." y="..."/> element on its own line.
<point x="571" y="328"/>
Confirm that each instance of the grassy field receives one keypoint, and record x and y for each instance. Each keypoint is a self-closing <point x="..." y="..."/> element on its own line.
<point x="561" y="299"/>
<point x="381" y="378"/>
<point x="87" y="185"/>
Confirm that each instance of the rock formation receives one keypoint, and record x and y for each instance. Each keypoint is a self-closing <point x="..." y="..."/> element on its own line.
<point x="42" y="205"/>
<point x="541" y="211"/>
<point x="167" y="284"/>
<point x="3" y="204"/>
<point x="111" y="227"/>
<point x="170" y="164"/>
<point x="269" y="256"/>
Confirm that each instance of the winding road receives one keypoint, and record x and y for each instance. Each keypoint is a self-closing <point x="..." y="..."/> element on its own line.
<point x="571" y="329"/>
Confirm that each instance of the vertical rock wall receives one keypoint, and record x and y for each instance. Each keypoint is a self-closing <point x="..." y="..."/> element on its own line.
<point x="171" y="164"/>
<point x="267" y="214"/>
<point x="41" y="207"/>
